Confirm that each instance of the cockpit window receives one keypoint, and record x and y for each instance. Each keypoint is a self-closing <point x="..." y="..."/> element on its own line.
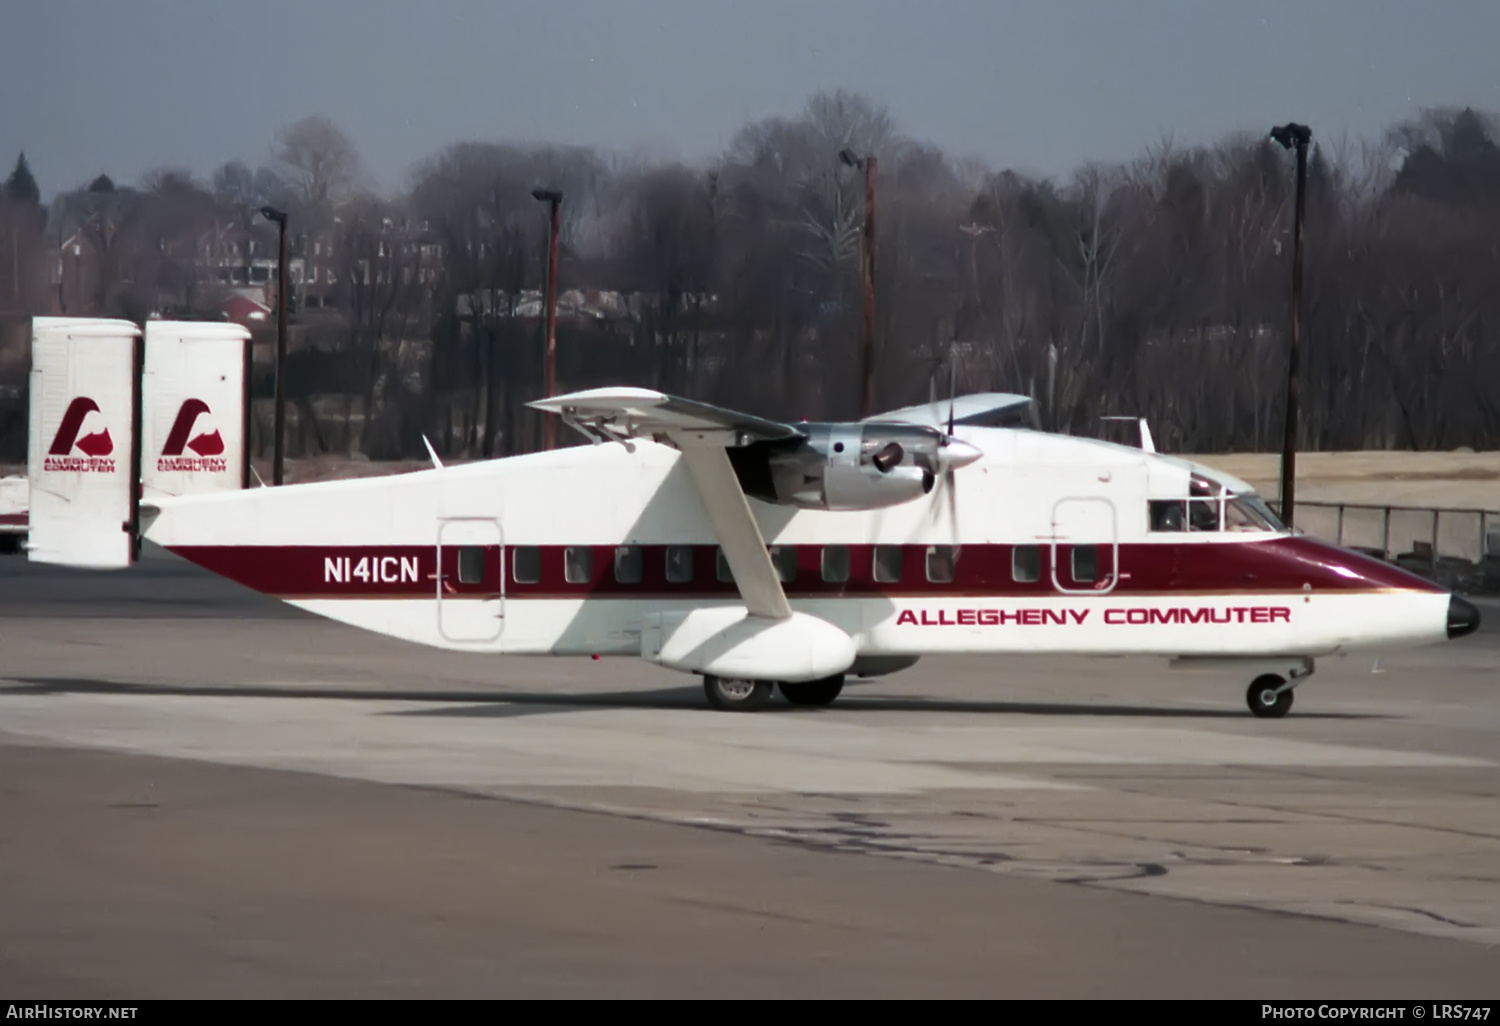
<point x="1168" y="515"/>
<point x="1203" y="514"/>
<point x="1249" y="512"/>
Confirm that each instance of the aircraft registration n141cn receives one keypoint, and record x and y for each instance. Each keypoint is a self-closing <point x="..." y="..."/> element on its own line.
<point x="768" y="556"/>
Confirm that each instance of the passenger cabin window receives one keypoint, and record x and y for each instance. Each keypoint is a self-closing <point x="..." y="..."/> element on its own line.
<point x="835" y="563"/>
<point x="721" y="568"/>
<point x="1026" y="564"/>
<point x="630" y="564"/>
<point x="679" y="564"/>
<point x="578" y="564"/>
<point x="1085" y="564"/>
<point x="888" y="563"/>
<point x="942" y="561"/>
<point x="784" y="558"/>
<point x="471" y="564"/>
<point x="526" y="564"/>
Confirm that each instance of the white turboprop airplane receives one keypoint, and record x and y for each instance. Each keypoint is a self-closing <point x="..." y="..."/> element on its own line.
<point x="760" y="555"/>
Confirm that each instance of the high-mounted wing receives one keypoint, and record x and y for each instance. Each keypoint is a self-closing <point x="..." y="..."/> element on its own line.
<point x="702" y="432"/>
<point x="614" y="414"/>
<point x="981" y="408"/>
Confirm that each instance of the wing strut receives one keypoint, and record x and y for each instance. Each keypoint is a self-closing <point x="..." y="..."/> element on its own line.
<point x="739" y="535"/>
<point x="702" y="433"/>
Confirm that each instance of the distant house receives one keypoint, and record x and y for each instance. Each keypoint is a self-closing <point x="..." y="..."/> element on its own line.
<point x="575" y="304"/>
<point x="241" y="309"/>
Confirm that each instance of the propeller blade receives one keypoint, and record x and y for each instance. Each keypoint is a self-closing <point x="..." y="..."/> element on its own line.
<point x="932" y="396"/>
<point x="952" y="508"/>
<point x="951" y="501"/>
<point x="952" y="389"/>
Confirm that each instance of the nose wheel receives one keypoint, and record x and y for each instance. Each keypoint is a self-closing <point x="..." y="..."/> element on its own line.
<point x="1270" y="696"/>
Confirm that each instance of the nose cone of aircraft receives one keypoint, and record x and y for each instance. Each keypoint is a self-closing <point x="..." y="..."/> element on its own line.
<point x="1463" y="618"/>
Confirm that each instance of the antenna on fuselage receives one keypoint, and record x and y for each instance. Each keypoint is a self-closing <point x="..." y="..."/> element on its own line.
<point x="1148" y="444"/>
<point x="437" y="464"/>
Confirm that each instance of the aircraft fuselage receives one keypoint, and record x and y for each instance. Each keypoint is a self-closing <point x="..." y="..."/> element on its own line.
<point x="1047" y="544"/>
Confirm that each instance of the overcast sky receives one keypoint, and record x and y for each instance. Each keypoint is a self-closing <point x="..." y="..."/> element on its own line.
<point x="124" y="87"/>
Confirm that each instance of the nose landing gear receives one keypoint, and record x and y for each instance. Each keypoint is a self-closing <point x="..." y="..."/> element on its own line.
<point x="1270" y="695"/>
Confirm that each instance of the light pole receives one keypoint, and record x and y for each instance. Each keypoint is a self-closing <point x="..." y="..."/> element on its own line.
<point x="554" y="198"/>
<point x="867" y="261"/>
<point x="974" y="231"/>
<point x="279" y="451"/>
<point x="1293" y="136"/>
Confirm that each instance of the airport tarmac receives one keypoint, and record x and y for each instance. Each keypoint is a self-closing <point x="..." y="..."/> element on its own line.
<point x="205" y="793"/>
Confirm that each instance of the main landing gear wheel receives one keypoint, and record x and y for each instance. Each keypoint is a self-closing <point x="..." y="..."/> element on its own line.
<point x="813" y="692"/>
<point x="732" y="694"/>
<point x="1265" y="700"/>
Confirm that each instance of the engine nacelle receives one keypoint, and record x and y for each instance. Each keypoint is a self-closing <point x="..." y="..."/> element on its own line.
<point x="849" y="466"/>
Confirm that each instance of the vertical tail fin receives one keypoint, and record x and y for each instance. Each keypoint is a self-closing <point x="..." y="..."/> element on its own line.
<point x="195" y="405"/>
<point x="116" y="418"/>
<point x="83" y="447"/>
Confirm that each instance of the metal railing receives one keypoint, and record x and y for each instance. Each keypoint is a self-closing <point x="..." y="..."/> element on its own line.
<point x="1460" y="547"/>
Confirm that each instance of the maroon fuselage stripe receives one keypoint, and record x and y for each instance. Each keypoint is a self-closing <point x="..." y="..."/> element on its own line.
<point x="395" y="571"/>
<point x="13" y="519"/>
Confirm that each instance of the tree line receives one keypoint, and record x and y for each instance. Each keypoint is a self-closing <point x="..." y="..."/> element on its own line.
<point x="1157" y="287"/>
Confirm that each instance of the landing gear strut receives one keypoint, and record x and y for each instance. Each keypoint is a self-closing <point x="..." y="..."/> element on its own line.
<point x="733" y="694"/>
<point x="813" y="692"/>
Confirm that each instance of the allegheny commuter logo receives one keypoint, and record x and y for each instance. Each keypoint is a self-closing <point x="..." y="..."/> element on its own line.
<point x="205" y="451"/>
<point x="95" y="446"/>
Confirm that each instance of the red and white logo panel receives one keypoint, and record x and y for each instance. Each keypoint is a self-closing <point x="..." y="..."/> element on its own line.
<point x="82" y="442"/>
<point x="193" y="444"/>
<point x="79" y="444"/>
<point x="192" y="396"/>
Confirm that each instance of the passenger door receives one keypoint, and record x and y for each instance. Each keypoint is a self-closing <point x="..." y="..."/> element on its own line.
<point x="1085" y="546"/>
<point x="470" y="579"/>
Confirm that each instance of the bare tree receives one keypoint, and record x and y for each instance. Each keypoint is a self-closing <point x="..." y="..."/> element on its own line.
<point x="319" y="159"/>
<point x="1156" y="287"/>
